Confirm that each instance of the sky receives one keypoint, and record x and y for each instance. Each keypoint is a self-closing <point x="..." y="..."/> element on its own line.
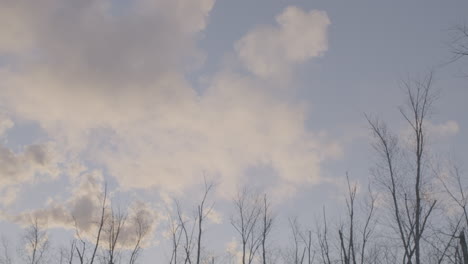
<point x="154" y="96"/>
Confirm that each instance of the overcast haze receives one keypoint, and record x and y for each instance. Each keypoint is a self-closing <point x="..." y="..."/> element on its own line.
<point x="153" y="97"/>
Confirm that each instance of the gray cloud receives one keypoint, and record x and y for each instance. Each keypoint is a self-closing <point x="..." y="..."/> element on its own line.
<point x="16" y="168"/>
<point x="82" y="210"/>
<point x="91" y="41"/>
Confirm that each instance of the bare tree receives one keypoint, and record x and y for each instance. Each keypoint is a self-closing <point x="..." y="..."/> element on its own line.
<point x="297" y="251"/>
<point x="37" y="243"/>
<point x="101" y="222"/>
<point x="307" y="240"/>
<point x="82" y="248"/>
<point x="202" y="213"/>
<point x="142" y="229"/>
<point x="323" y="240"/>
<point x="411" y="202"/>
<point x="67" y="254"/>
<point x="459" y="46"/>
<point x="463" y="246"/>
<point x="113" y="237"/>
<point x="455" y="188"/>
<point x="71" y="252"/>
<point x="348" y="251"/>
<point x="5" y="258"/>
<point x="118" y="236"/>
<point x="81" y="251"/>
<point x="353" y="236"/>
<point x="267" y="224"/>
<point x="175" y="232"/>
<point x="112" y="229"/>
<point x="245" y="221"/>
<point x="367" y="230"/>
<point x="187" y="233"/>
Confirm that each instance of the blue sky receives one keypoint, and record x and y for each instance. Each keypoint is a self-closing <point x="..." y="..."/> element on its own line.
<point x="153" y="96"/>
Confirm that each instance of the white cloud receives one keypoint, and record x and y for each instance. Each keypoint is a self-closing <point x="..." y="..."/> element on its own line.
<point x="271" y="50"/>
<point x="448" y="128"/>
<point x="110" y="89"/>
<point x="5" y="124"/>
<point x="234" y="126"/>
<point x="215" y="217"/>
<point x="234" y="252"/>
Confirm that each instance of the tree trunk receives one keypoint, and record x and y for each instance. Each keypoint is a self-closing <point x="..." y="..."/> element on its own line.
<point x="464" y="247"/>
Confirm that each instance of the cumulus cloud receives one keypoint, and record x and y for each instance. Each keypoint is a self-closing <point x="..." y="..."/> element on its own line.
<point x="21" y="167"/>
<point x="233" y="127"/>
<point x="82" y="211"/>
<point x="271" y="50"/>
<point x="109" y="88"/>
